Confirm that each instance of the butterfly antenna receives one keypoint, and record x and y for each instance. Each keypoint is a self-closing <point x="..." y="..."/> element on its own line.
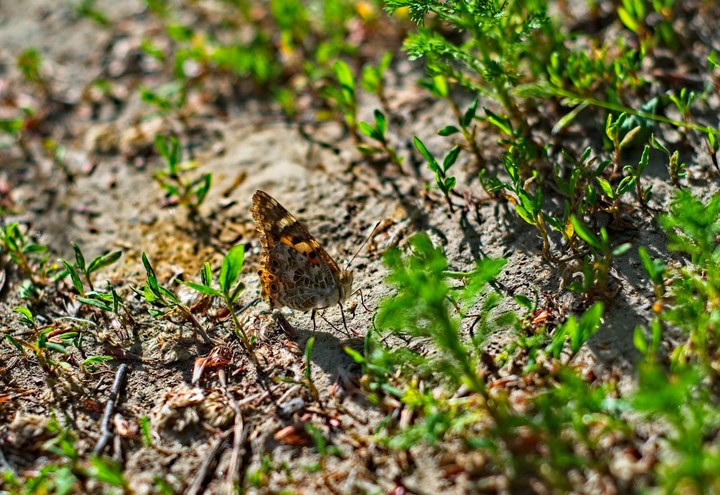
<point x="363" y="245"/>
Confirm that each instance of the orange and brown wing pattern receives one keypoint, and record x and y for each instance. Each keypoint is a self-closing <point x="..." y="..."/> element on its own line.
<point x="295" y="271"/>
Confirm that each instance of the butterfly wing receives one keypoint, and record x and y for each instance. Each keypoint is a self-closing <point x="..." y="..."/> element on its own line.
<point x="295" y="271"/>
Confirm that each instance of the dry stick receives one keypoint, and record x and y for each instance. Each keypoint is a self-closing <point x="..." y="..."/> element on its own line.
<point x="239" y="440"/>
<point x="106" y="434"/>
<point x="197" y="484"/>
<point x="241" y="433"/>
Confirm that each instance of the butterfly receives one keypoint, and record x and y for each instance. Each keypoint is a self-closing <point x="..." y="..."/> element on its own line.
<point x="295" y="271"/>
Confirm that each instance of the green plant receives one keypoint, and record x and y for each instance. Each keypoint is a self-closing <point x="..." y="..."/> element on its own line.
<point x="29" y="256"/>
<point x="438" y="87"/>
<point x="596" y="266"/>
<point x="230" y="288"/>
<point x="30" y="64"/>
<point x="683" y="102"/>
<point x="308" y="382"/>
<point x="373" y="79"/>
<point x="187" y="192"/>
<point x="26" y="317"/>
<point x="446" y="183"/>
<point x="684" y="401"/>
<point x="576" y="332"/>
<point x="341" y="93"/>
<point x="692" y="302"/>
<point x="81" y="268"/>
<point x="168" y="97"/>
<point x="69" y="473"/>
<point x="88" y="9"/>
<point x="676" y="169"/>
<point x="501" y="42"/>
<point x="378" y="134"/>
<point x="421" y="307"/>
<point x="164" y="301"/>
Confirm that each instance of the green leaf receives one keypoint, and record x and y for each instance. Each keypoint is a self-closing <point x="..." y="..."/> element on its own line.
<point x="202" y="191"/>
<point x="206" y="275"/>
<point x="621" y="249"/>
<point x="308" y="357"/>
<point x="501" y="123"/>
<point x="107" y="471"/>
<point x="103" y="261"/>
<point x="79" y="258"/>
<point x="76" y="281"/>
<point x="98" y="303"/>
<point x="451" y="157"/>
<point x="470" y="114"/>
<point x="368" y="150"/>
<point x="448" y="130"/>
<point x="440" y="86"/>
<point x="355" y="355"/>
<point x="344" y="76"/>
<point x="178" y="32"/>
<point x="644" y="160"/>
<point x="449" y="184"/>
<point x="432" y="163"/>
<point x="606" y="187"/>
<point x="93" y="361"/>
<point x="236" y="293"/>
<point x="524" y="301"/>
<point x="639" y="340"/>
<point x="204" y="289"/>
<point x="658" y="145"/>
<point x="380" y="123"/>
<point x="654" y="268"/>
<point x="584" y="233"/>
<point x="146" y="431"/>
<point x="231" y="266"/>
<point x="369" y="130"/>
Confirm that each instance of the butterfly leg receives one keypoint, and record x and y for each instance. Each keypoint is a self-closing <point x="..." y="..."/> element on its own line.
<point x="342" y="312"/>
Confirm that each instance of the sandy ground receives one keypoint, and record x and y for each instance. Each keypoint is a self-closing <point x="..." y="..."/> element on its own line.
<point x="115" y="204"/>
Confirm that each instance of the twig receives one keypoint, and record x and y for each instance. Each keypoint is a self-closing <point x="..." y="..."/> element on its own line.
<point x="106" y="434"/>
<point x="199" y="480"/>
<point x="234" y="477"/>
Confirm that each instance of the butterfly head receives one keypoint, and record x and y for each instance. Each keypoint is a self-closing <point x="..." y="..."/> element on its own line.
<point x="345" y="285"/>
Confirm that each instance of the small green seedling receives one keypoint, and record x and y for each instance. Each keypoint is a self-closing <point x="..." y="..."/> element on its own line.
<point x="676" y="168"/>
<point x="655" y="268"/>
<point x="92" y="363"/>
<point x="81" y="268"/>
<point x="632" y="14"/>
<point x="444" y="182"/>
<point x="230" y="287"/>
<point x="342" y="95"/>
<point x="187" y="192"/>
<point x="26" y="317"/>
<point x="167" y="98"/>
<point x="373" y="79"/>
<point x="30" y="64"/>
<point x="596" y="268"/>
<point x="23" y="252"/>
<point x="165" y="302"/>
<point x="88" y="9"/>
<point x="576" y="332"/>
<point x="683" y="102"/>
<point x="465" y="125"/>
<point x="615" y="131"/>
<point x="378" y="134"/>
